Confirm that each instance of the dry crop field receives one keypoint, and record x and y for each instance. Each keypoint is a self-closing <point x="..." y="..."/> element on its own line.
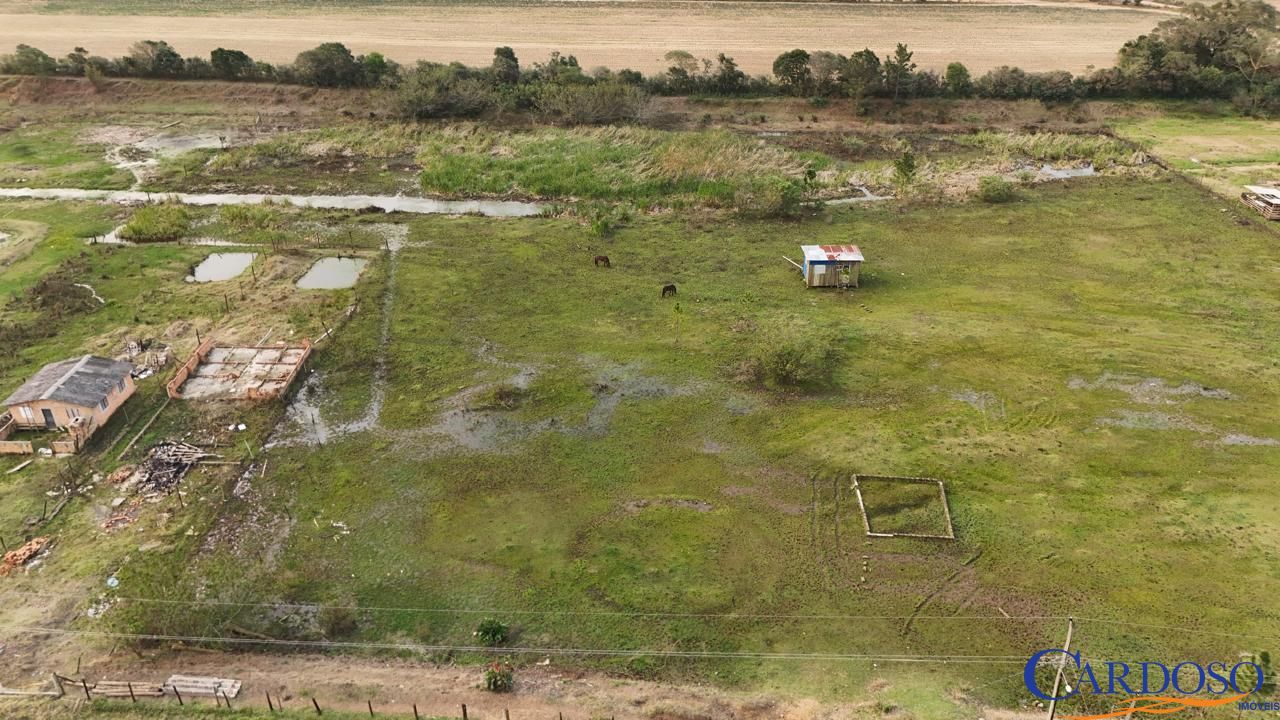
<point x="615" y="34"/>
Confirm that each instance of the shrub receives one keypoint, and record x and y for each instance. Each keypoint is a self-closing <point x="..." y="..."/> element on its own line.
<point x="336" y="622"/>
<point x="793" y="352"/>
<point x="597" y="104"/>
<point x="157" y="223"/>
<point x="492" y="632"/>
<point x="770" y="197"/>
<point x="499" y="677"/>
<point x="995" y="189"/>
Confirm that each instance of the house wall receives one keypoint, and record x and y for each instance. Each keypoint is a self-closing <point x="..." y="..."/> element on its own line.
<point x="828" y="274"/>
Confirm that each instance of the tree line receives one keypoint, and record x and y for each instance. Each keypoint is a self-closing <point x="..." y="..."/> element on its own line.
<point x="1228" y="50"/>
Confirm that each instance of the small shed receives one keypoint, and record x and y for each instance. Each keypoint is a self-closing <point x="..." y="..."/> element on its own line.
<point x="831" y="265"/>
<point x="1265" y="200"/>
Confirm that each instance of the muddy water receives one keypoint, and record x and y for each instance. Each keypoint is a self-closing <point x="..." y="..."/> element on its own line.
<point x="388" y="203"/>
<point x="333" y="273"/>
<point x="221" y="266"/>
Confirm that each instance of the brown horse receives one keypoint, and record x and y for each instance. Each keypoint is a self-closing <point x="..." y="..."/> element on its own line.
<point x="669" y="290"/>
<point x="601" y="260"/>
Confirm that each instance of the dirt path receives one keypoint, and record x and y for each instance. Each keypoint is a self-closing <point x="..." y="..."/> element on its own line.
<point x="394" y="686"/>
<point x="636" y="35"/>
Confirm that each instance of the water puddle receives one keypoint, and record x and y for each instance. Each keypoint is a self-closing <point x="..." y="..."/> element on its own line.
<point x="221" y="266"/>
<point x="866" y="196"/>
<point x="386" y="203"/>
<point x="333" y="273"/>
<point x="1054" y="173"/>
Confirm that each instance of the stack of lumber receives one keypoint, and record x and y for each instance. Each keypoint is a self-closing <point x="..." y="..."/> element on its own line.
<point x="195" y="685"/>
<point x="1263" y="203"/>
<point x="120" y="689"/>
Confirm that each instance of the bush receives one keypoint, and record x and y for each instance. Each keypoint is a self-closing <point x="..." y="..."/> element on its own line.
<point x="492" y="632"/>
<point x="995" y="189"/>
<point x="793" y="352"/>
<point x="336" y="622"/>
<point x="157" y="223"/>
<point x="597" y="104"/>
<point x="770" y="197"/>
<point x="499" y="677"/>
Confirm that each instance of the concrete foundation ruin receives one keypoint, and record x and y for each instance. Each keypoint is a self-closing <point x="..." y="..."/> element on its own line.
<point x="224" y="372"/>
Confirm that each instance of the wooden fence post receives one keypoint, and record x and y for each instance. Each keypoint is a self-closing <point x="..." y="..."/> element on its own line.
<point x="464" y="711"/>
<point x="132" y="697"/>
<point x="415" y="712"/>
<point x="270" y="706"/>
<point x="178" y="694"/>
<point x="85" y="685"/>
<point x="370" y="703"/>
<point x="225" y="698"/>
<point x="316" y="703"/>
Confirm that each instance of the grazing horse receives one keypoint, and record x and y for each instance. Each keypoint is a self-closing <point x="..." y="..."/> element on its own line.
<point x="601" y="260"/>
<point x="669" y="290"/>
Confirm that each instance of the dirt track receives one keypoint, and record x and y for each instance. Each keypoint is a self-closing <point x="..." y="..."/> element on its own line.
<point x="636" y="35"/>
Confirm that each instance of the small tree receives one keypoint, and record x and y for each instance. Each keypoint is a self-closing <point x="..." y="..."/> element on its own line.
<point x="27" y="60"/>
<point x="904" y="169"/>
<point x="231" y="64"/>
<point x="155" y="58"/>
<point x="898" y="69"/>
<point x="492" y="632"/>
<point x="328" y="65"/>
<point x="957" y="81"/>
<point x="505" y="66"/>
<point x="792" y="70"/>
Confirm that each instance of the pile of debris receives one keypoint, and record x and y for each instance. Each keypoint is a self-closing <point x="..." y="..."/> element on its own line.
<point x="15" y="559"/>
<point x="166" y="464"/>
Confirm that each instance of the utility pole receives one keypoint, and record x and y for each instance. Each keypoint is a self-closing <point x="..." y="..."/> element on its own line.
<point x="1057" y="680"/>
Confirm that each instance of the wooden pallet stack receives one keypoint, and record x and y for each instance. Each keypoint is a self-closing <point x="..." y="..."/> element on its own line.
<point x="1265" y="204"/>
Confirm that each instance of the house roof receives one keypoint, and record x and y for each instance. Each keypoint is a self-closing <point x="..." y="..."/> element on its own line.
<point x="831" y="253"/>
<point x="1270" y="193"/>
<point x="82" y="381"/>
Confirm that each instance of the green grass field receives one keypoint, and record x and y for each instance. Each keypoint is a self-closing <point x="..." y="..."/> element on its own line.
<point x="1080" y="426"/>
<point x="1089" y="369"/>
<point x="1225" y="153"/>
<point x="42" y="156"/>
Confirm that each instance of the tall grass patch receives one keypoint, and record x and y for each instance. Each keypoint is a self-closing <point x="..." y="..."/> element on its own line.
<point x="157" y="223"/>
<point x="1050" y="146"/>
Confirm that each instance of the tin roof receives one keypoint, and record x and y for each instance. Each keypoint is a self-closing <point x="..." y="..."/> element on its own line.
<point x="1270" y="193"/>
<point x="82" y="381"/>
<point x="831" y="253"/>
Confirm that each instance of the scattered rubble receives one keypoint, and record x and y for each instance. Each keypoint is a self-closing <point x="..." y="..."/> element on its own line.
<point x="15" y="559"/>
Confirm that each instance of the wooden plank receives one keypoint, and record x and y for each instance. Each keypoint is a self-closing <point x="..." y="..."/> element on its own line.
<point x="201" y="685"/>
<point x="120" y="689"/>
<point x="19" y="466"/>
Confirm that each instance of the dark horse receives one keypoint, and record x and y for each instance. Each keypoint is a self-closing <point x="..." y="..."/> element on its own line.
<point x="668" y="290"/>
<point x="601" y="260"/>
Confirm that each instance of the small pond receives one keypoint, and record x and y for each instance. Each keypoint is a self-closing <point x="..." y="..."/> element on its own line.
<point x="221" y="266"/>
<point x="333" y="273"/>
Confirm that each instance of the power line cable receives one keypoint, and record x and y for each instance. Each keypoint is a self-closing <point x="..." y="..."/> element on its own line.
<point x="989" y="659"/>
